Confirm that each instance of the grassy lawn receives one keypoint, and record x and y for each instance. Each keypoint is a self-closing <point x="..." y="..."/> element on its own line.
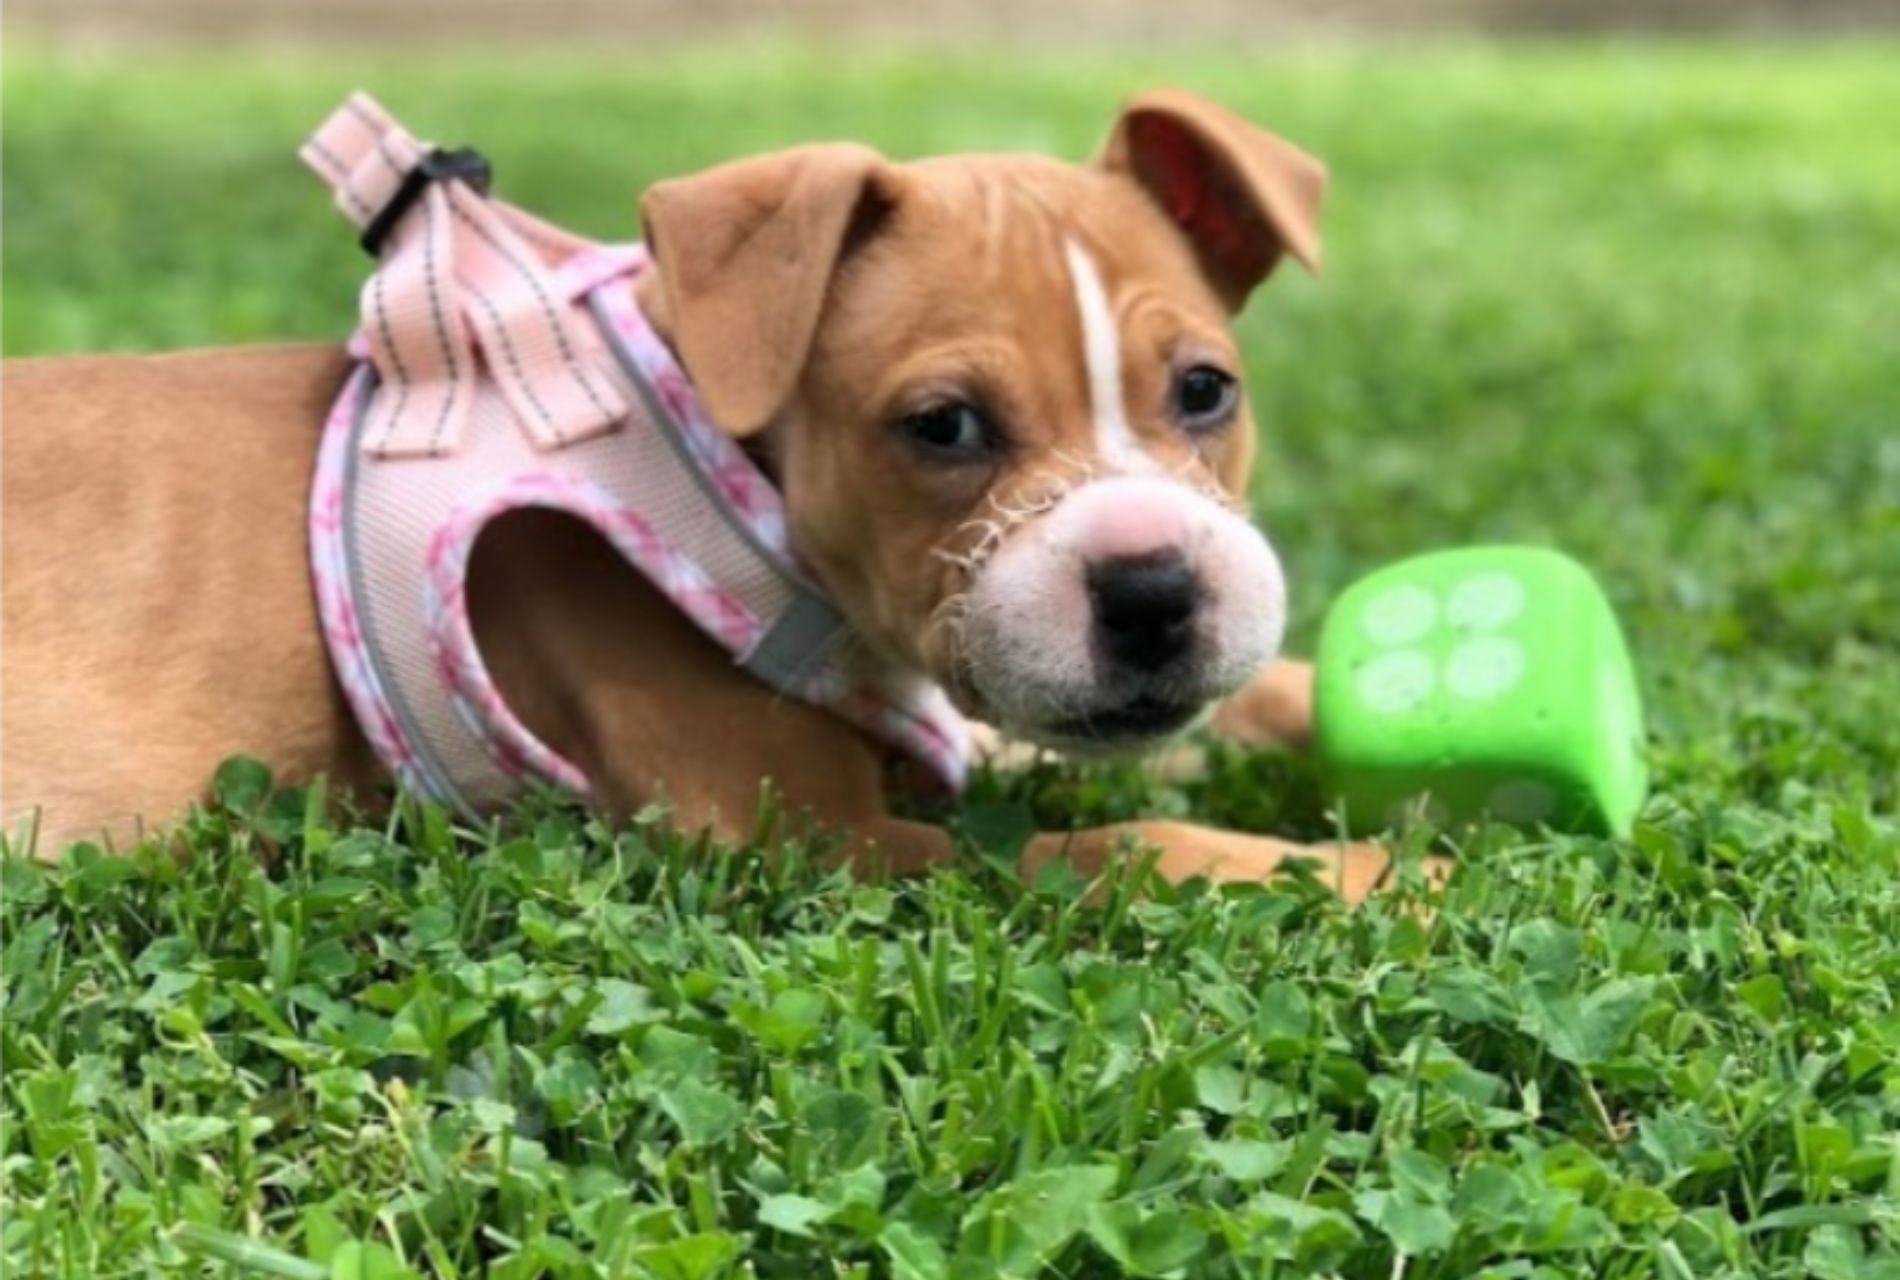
<point x="1639" y="303"/>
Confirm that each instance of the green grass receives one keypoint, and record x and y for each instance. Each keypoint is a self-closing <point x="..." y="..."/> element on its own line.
<point x="1635" y="302"/>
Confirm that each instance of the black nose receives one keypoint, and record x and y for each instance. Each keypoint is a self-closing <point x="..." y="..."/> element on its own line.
<point x="1144" y="608"/>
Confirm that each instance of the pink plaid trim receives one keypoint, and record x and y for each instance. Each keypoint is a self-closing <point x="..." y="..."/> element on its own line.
<point x="458" y="660"/>
<point x="336" y="607"/>
<point x="746" y="490"/>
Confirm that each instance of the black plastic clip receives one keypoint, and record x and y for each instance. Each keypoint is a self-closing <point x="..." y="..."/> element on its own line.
<point x="464" y="164"/>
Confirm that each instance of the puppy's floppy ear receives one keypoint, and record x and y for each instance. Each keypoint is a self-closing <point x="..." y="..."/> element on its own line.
<point x="745" y="254"/>
<point x="1242" y="196"/>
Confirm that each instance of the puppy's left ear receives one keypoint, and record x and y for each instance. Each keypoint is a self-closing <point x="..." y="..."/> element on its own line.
<point x="745" y="255"/>
<point x="1243" y="197"/>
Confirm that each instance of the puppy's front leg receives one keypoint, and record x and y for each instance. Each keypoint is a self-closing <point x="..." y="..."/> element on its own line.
<point x="1187" y="851"/>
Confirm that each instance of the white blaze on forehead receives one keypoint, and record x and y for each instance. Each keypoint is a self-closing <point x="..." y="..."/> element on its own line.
<point x="1101" y="349"/>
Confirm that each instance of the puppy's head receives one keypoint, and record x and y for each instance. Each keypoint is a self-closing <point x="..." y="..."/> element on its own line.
<point x="1003" y="399"/>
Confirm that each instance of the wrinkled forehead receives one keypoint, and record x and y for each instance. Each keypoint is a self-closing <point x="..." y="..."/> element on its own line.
<point x="1032" y="257"/>
<point x="1011" y="211"/>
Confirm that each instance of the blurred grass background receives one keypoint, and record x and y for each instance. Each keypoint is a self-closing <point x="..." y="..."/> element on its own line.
<point x="1633" y="299"/>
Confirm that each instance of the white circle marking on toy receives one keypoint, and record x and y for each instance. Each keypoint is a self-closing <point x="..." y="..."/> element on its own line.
<point x="1397" y="681"/>
<point x="1522" y="800"/>
<point x="1399" y="615"/>
<point x="1485" y="601"/>
<point x="1485" y="667"/>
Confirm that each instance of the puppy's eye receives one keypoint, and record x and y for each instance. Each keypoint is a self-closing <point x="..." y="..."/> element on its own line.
<point x="952" y="432"/>
<point x="1204" y="397"/>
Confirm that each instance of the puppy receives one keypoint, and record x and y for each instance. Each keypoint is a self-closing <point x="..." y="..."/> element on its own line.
<point x="1000" y="396"/>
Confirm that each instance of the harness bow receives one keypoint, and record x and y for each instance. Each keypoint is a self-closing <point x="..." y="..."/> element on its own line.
<point x="456" y="270"/>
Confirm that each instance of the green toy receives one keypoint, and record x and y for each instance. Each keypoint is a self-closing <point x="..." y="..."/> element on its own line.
<point x="1491" y="682"/>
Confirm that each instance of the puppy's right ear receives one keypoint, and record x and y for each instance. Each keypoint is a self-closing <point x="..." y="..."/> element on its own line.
<point x="1243" y="197"/>
<point x="745" y="255"/>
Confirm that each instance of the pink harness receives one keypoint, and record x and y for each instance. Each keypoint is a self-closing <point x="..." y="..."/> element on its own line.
<point x="504" y="364"/>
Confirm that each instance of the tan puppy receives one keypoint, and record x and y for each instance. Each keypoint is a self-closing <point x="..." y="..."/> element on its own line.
<point x="1001" y="396"/>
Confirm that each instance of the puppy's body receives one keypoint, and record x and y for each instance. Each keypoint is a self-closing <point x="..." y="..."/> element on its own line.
<point x="157" y="608"/>
<point x="158" y="618"/>
<point x="975" y="379"/>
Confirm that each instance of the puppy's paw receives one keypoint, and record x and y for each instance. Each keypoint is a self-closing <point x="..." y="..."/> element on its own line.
<point x="1359" y="869"/>
<point x="989" y="746"/>
<point x="1176" y="761"/>
<point x="1367" y="869"/>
